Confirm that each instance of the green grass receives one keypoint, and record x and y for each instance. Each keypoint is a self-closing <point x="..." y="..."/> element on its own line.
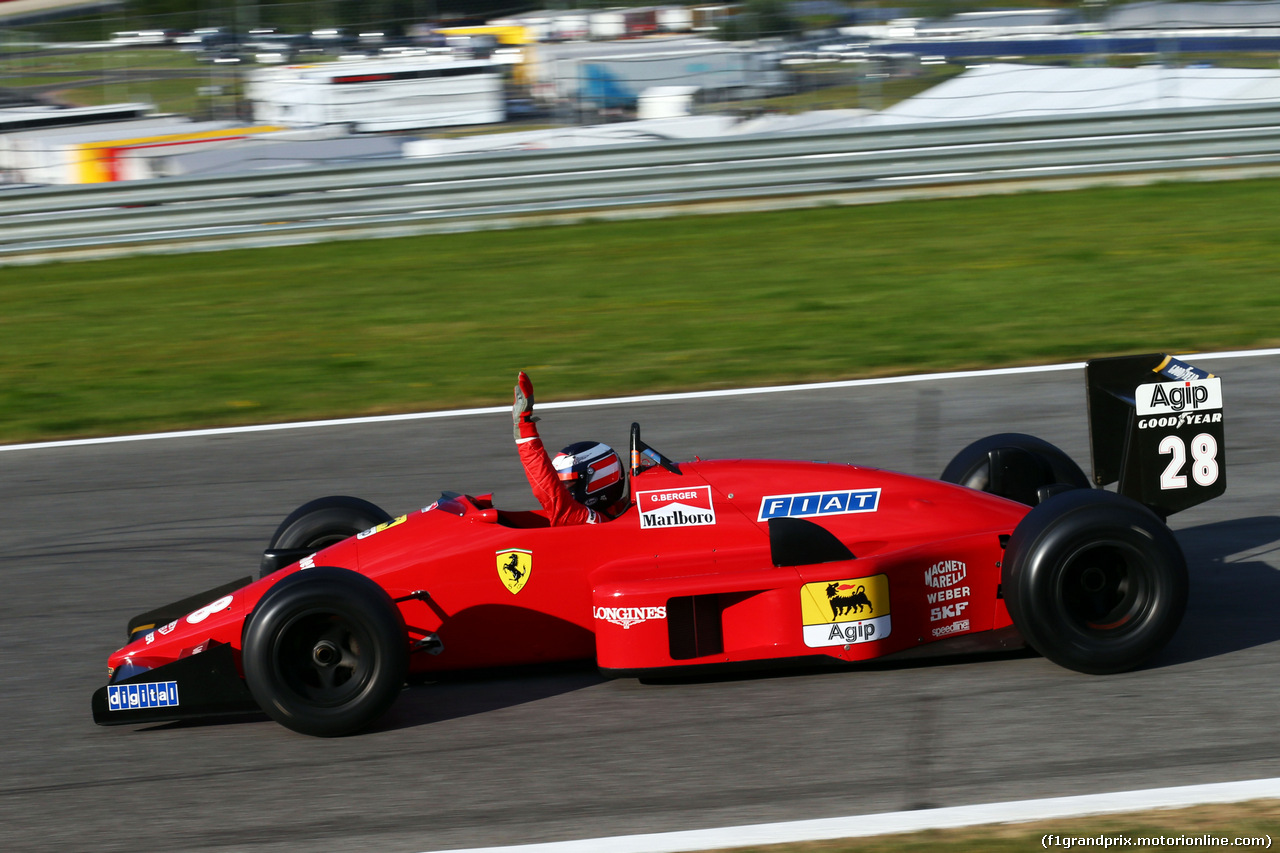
<point x="163" y="342"/>
<point x="170" y="96"/>
<point x="33" y="82"/>
<point x="95" y="61"/>
<point x="129" y="77"/>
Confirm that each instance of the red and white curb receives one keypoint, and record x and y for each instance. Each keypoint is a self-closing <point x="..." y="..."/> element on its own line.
<point x="889" y="823"/>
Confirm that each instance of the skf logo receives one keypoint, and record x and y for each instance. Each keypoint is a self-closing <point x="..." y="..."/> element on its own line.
<point x="687" y="507"/>
<point x="843" y="612"/>
<point x="818" y="503"/>
<point x="1171" y="398"/>
<point x="514" y="567"/>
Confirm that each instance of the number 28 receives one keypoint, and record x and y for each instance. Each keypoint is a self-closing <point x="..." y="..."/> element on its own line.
<point x="1204" y="461"/>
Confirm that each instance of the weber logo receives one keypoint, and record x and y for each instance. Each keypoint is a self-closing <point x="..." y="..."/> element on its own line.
<point x="1172" y="398"/>
<point x="690" y="506"/>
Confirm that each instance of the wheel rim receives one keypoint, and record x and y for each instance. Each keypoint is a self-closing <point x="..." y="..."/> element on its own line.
<point x="323" y="658"/>
<point x="979" y="478"/>
<point x="1104" y="588"/>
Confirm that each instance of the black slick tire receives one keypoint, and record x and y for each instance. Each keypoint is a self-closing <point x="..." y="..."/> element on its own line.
<point x="1094" y="581"/>
<point x="1034" y="462"/>
<point x="323" y="522"/>
<point x="325" y="652"/>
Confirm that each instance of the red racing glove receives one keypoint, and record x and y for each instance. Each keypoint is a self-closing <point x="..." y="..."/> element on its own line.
<point x="522" y="419"/>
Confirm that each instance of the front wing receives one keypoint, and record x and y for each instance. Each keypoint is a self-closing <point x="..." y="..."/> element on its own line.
<point x="201" y="685"/>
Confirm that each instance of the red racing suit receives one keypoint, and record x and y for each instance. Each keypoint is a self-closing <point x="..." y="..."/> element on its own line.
<point x="554" y="496"/>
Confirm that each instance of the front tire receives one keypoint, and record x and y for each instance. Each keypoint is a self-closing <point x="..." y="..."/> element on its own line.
<point x="325" y="652"/>
<point x="320" y="523"/>
<point x="1094" y="581"/>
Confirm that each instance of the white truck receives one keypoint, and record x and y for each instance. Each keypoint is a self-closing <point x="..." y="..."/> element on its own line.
<point x="371" y="95"/>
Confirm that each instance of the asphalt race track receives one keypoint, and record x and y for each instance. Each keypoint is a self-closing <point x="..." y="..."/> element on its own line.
<point x="94" y="534"/>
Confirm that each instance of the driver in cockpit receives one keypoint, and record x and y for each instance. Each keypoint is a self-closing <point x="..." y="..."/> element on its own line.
<point x="583" y="484"/>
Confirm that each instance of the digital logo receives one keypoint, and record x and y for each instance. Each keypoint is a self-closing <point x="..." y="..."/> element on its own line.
<point x="514" y="567"/>
<point x="687" y="507"/>
<point x="843" y="612"/>
<point x="818" y="503"/>
<point x="130" y="697"/>
<point x="628" y="616"/>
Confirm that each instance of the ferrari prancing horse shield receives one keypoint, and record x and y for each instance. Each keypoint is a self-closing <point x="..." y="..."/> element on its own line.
<point x="514" y="567"/>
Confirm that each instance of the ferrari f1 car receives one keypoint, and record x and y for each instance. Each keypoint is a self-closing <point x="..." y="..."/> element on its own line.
<point x="715" y="563"/>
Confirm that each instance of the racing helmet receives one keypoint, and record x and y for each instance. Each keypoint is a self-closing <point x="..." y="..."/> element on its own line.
<point x="592" y="472"/>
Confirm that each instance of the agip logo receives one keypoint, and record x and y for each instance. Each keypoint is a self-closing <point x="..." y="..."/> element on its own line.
<point x="514" y="566"/>
<point x="844" y="612"/>
<point x="1172" y="398"/>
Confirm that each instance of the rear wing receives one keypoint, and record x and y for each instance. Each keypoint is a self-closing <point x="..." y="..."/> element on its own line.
<point x="1155" y="426"/>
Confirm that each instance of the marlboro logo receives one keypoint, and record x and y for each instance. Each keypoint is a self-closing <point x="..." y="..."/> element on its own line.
<point x="687" y="507"/>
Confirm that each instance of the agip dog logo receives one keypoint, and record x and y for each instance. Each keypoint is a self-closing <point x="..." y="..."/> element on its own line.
<point x="843" y="612"/>
<point x="514" y="567"/>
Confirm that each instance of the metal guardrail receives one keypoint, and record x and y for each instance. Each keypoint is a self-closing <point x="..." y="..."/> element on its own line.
<point x="473" y="190"/>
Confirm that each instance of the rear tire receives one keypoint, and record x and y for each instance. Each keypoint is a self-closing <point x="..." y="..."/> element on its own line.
<point x="1030" y="464"/>
<point x="1094" y="581"/>
<point x="323" y="522"/>
<point x="325" y="652"/>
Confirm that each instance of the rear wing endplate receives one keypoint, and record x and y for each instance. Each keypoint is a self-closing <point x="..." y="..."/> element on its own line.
<point x="1156" y="428"/>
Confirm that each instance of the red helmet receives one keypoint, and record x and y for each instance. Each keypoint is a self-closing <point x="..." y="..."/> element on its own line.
<point x="592" y="472"/>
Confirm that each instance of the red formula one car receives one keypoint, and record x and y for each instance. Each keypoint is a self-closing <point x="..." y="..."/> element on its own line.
<point x="714" y="563"/>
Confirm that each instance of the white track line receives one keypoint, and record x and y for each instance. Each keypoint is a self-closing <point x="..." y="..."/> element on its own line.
<point x="607" y="401"/>
<point x="860" y="826"/>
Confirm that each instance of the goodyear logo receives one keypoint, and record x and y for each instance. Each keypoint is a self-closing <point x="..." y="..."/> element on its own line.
<point x="818" y="503"/>
<point x="844" y="612"/>
<point x="130" y="697"/>
<point x="1175" y="369"/>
